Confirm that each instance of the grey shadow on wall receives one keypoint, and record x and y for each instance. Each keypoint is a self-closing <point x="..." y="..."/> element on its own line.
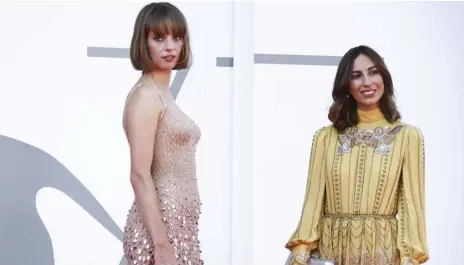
<point x="24" y="170"/>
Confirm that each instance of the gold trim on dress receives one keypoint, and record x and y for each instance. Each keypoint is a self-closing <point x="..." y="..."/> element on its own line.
<point x="358" y="216"/>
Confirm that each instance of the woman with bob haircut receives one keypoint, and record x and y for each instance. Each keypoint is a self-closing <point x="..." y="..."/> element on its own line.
<point x="162" y="224"/>
<point x="364" y="201"/>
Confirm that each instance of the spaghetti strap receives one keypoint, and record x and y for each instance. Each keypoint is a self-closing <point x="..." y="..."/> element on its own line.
<point x="154" y="84"/>
<point x="162" y="100"/>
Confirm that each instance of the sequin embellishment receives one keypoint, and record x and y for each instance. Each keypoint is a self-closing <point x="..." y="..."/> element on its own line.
<point x="379" y="138"/>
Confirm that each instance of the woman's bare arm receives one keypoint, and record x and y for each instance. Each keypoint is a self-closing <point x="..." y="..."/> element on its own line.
<point x="142" y="114"/>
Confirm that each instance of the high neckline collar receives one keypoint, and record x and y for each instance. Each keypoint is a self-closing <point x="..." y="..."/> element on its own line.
<point x="370" y="116"/>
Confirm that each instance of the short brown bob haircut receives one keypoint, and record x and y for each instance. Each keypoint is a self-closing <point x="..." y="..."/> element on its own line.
<point x="343" y="112"/>
<point x="162" y="19"/>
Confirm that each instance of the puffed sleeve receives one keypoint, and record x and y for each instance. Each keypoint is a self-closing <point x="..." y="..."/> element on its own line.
<point x="412" y="241"/>
<point x="305" y="236"/>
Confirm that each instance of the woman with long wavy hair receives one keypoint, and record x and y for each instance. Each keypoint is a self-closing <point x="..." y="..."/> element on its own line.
<point x="364" y="201"/>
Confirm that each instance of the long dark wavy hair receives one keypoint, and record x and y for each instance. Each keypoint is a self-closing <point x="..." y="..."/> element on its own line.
<point x="343" y="112"/>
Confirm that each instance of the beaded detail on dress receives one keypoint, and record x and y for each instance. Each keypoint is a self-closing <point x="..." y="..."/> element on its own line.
<point x="174" y="174"/>
<point x="379" y="138"/>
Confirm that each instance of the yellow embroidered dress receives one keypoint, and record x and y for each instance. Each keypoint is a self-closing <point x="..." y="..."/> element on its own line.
<point x="364" y="201"/>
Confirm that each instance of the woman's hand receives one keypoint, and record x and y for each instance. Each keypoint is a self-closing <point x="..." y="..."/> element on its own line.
<point x="300" y="255"/>
<point x="300" y="259"/>
<point x="164" y="254"/>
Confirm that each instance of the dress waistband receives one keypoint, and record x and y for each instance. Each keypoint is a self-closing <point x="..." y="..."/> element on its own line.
<point x="358" y="216"/>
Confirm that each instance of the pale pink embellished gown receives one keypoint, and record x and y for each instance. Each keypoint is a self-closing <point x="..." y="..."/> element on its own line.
<point x="174" y="173"/>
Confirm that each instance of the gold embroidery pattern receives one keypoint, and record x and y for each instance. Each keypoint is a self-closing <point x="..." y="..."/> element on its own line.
<point x="382" y="183"/>
<point x="350" y="239"/>
<point x="337" y="184"/>
<point x="379" y="138"/>
<point x="360" y="179"/>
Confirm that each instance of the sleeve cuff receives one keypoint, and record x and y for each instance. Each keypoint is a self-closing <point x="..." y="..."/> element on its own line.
<point x="300" y="249"/>
<point x="414" y="261"/>
<point x="294" y="243"/>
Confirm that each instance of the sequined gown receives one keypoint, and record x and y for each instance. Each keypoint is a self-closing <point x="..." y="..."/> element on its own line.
<point x="174" y="174"/>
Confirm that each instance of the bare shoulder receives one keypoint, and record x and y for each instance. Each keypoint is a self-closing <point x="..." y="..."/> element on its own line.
<point x="145" y="95"/>
<point x="144" y="100"/>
